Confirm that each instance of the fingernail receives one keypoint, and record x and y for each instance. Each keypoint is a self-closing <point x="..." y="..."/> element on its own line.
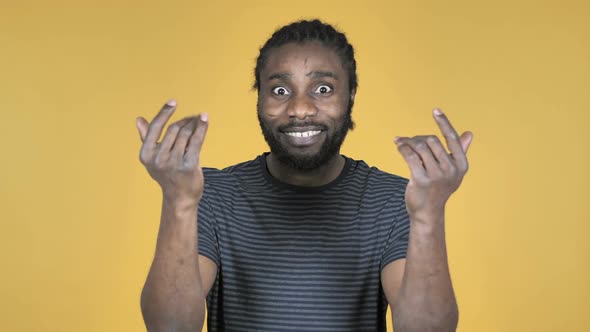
<point x="171" y="102"/>
<point x="396" y="139"/>
<point x="204" y="117"/>
<point x="437" y="112"/>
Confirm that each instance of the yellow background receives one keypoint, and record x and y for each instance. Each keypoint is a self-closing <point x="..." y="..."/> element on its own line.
<point x="79" y="212"/>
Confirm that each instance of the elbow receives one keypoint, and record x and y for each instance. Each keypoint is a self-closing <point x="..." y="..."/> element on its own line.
<point x="152" y="317"/>
<point x="161" y="317"/>
<point x="440" y="321"/>
<point x="448" y="321"/>
<point x="147" y="311"/>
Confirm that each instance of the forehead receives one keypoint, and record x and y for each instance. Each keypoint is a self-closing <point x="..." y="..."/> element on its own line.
<point x="296" y="57"/>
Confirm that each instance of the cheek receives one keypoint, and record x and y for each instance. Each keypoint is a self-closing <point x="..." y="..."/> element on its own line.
<point x="333" y="104"/>
<point x="269" y="107"/>
<point x="334" y="107"/>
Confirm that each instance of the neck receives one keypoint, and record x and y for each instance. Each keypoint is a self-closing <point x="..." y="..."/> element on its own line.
<point x="320" y="176"/>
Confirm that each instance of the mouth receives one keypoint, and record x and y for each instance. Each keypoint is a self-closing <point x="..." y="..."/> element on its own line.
<point x="303" y="136"/>
<point x="308" y="133"/>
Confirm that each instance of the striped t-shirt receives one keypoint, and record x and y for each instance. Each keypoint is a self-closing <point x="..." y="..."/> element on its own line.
<point x="296" y="258"/>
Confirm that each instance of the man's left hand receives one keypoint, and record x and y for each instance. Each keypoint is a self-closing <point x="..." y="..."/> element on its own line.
<point x="435" y="173"/>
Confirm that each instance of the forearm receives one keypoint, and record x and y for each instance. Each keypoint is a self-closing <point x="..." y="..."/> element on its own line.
<point x="173" y="297"/>
<point x="426" y="300"/>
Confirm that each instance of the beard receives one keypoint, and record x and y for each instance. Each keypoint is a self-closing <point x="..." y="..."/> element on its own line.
<point x="307" y="162"/>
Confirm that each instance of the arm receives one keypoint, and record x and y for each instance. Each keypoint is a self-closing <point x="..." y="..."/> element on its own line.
<point x="419" y="287"/>
<point x="173" y="298"/>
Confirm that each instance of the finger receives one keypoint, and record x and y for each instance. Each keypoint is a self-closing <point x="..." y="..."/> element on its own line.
<point x="142" y="126"/>
<point x="171" y="134"/>
<point x="412" y="159"/>
<point x="440" y="153"/>
<point x="419" y="145"/>
<point x="196" y="142"/>
<point x="185" y="133"/>
<point x="451" y="137"/>
<point x="466" y="139"/>
<point x="158" y="123"/>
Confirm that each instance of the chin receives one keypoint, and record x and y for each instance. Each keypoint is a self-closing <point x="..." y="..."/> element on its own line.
<point x="304" y="161"/>
<point x="304" y="158"/>
<point x="300" y="163"/>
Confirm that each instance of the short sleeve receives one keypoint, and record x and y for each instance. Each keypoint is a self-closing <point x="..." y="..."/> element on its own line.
<point x="397" y="241"/>
<point x="207" y="231"/>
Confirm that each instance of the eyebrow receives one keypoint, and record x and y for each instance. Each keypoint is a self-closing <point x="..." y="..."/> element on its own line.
<point x="322" y="74"/>
<point x="279" y="76"/>
<point x="314" y="74"/>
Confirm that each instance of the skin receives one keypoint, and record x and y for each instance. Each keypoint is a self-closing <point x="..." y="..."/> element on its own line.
<point x="418" y="288"/>
<point x="302" y="83"/>
<point x="173" y="297"/>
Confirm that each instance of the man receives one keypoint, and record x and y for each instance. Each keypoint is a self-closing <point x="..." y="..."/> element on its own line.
<point x="301" y="238"/>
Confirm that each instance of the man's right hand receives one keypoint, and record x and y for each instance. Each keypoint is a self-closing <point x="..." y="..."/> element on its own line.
<point x="174" y="162"/>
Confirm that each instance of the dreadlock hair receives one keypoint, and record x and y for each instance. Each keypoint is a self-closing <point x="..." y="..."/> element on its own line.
<point x="306" y="31"/>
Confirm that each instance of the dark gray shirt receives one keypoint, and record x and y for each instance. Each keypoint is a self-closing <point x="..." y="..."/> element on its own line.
<point x="293" y="258"/>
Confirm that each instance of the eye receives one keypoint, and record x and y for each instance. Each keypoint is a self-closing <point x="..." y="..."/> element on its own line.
<point x="323" y="89"/>
<point x="280" y="91"/>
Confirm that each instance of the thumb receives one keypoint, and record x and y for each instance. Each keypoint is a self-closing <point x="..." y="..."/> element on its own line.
<point x="466" y="139"/>
<point x="142" y="125"/>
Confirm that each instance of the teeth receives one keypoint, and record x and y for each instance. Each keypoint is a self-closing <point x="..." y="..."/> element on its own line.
<point x="304" y="134"/>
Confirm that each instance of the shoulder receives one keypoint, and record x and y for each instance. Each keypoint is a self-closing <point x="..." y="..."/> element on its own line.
<point x="225" y="181"/>
<point x="377" y="180"/>
<point x="233" y="172"/>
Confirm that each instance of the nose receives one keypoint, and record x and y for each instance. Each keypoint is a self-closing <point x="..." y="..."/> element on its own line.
<point x="301" y="106"/>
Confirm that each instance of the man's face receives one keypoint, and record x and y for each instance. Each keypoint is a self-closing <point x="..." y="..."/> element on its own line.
<point x="304" y="104"/>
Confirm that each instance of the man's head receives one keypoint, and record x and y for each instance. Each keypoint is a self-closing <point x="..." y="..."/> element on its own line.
<point x="306" y="81"/>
